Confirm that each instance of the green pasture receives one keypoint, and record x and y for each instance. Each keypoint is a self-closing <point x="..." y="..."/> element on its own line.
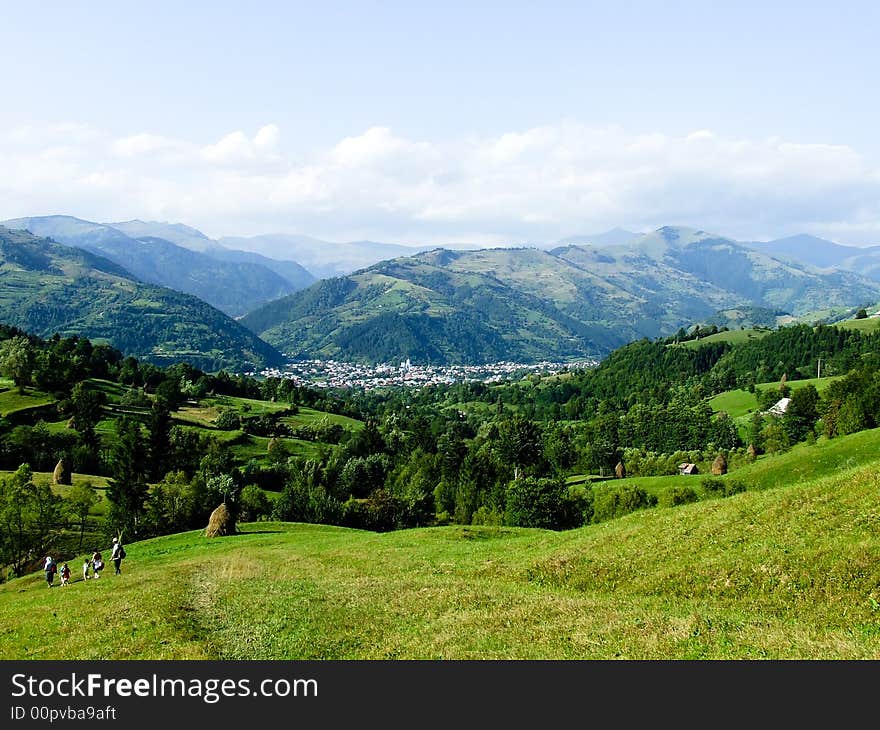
<point x="787" y="573"/>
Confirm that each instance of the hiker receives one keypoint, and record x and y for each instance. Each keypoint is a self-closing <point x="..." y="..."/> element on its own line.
<point x="50" y="568"/>
<point x="65" y="574"/>
<point x="117" y="555"/>
<point x="97" y="564"/>
<point x="86" y="563"/>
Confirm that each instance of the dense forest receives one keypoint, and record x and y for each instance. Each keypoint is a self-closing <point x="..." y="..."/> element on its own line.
<point x="467" y="453"/>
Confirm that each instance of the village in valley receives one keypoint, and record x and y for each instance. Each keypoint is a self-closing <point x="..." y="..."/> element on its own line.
<point x="338" y="374"/>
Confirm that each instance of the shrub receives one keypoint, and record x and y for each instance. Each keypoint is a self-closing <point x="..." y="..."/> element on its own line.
<point x="620" y="500"/>
<point x="354" y="513"/>
<point x="254" y="504"/>
<point x="228" y="420"/>
<point x="535" y="502"/>
<point x="486" y="516"/>
<point x="722" y="487"/>
<point x="733" y="486"/>
<point x="682" y="495"/>
<point x="580" y="507"/>
<point x="379" y="512"/>
<point x="135" y="397"/>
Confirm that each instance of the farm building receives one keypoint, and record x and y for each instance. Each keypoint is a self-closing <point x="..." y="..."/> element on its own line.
<point x="687" y="468"/>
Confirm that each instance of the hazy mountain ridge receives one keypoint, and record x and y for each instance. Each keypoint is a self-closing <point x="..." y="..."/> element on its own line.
<point x="323" y="259"/>
<point x="824" y="254"/>
<point x="179" y="233"/>
<point x="234" y="287"/>
<point x="47" y="287"/>
<point x="531" y="304"/>
<point x="195" y="240"/>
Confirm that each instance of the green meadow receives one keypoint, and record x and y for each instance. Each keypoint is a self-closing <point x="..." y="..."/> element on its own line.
<point x="801" y="463"/>
<point x="740" y="404"/>
<point x="791" y="572"/>
<point x="732" y="337"/>
<point x="11" y="401"/>
<point x="871" y="324"/>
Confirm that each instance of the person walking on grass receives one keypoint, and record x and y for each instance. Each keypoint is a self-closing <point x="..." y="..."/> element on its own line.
<point x="97" y="564"/>
<point x="65" y="574"/>
<point x="49" y="567"/>
<point x="117" y="555"/>
<point x="86" y="563"/>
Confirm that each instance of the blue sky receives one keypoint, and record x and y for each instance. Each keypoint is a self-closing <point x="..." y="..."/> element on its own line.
<point x="418" y="122"/>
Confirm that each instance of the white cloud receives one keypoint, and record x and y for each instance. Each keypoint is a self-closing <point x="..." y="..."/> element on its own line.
<point x="142" y="145"/>
<point x="533" y="184"/>
<point x="238" y="148"/>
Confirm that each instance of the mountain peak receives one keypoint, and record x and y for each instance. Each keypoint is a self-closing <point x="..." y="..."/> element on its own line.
<point x="674" y="234"/>
<point x="809" y="249"/>
<point x="178" y="233"/>
<point x="614" y="237"/>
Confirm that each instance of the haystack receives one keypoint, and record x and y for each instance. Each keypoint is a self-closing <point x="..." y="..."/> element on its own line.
<point x="221" y="523"/>
<point x="274" y="442"/>
<point x="719" y="466"/>
<point x="752" y="452"/>
<point x="62" y="474"/>
<point x="620" y="470"/>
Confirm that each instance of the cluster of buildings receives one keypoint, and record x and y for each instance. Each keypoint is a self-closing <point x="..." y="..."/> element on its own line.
<point x="336" y="374"/>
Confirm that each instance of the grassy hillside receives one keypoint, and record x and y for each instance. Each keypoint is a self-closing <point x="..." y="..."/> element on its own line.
<point x="785" y="573"/>
<point x="871" y="324"/>
<point x="233" y="287"/>
<point x="202" y="417"/>
<point x="47" y="288"/>
<point x="11" y="401"/>
<point x="801" y="463"/>
<point x="732" y="337"/>
<point x="738" y="403"/>
<point x="527" y="304"/>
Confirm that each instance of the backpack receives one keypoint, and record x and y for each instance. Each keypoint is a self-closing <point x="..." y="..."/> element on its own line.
<point x="121" y="551"/>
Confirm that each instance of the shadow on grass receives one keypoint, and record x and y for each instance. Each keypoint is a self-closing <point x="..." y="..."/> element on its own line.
<point x="258" y="532"/>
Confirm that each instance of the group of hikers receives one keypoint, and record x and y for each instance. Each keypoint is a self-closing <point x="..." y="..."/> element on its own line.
<point x="95" y="563"/>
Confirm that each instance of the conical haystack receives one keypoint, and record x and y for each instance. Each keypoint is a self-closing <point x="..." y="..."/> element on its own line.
<point x="719" y="466"/>
<point x="752" y="452"/>
<point x="221" y="523"/>
<point x="620" y="470"/>
<point x="62" y="474"/>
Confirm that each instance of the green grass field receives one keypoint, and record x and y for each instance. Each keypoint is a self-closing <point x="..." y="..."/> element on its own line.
<point x="782" y="573"/>
<point x="802" y="463"/>
<point x="739" y="403"/>
<point x="244" y="446"/>
<point x="861" y="325"/>
<point x="734" y="337"/>
<point x="11" y="401"/>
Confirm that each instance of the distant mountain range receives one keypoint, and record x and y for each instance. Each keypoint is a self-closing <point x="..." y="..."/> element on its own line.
<point x="322" y="258"/>
<point x="234" y="282"/>
<point x="47" y="287"/>
<point x="583" y="296"/>
<point x="614" y="237"/>
<point x="530" y="304"/>
<point x="824" y="254"/>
